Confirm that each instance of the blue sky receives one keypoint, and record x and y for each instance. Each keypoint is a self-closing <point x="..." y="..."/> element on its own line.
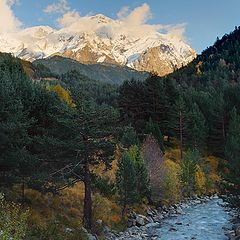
<point x="204" y="19"/>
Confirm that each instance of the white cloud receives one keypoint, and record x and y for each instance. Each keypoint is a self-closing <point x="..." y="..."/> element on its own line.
<point x="135" y="22"/>
<point x="130" y="23"/>
<point x="69" y="19"/>
<point x="8" y="21"/>
<point x="123" y="12"/>
<point x="139" y="15"/>
<point x="61" y="6"/>
<point x="177" y="31"/>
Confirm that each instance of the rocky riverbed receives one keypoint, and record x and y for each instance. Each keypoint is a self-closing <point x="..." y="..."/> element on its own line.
<point x="199" y="219"/>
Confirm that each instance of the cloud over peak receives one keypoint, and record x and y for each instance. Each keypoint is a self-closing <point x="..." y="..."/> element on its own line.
<point x="138" y="16"/>
<point x="133" y="23"/>
<point x="129" y="22"/>
<point x="8" y="21"/>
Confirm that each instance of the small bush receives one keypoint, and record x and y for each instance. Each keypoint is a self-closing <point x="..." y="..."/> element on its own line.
<point x="13" y="220"/>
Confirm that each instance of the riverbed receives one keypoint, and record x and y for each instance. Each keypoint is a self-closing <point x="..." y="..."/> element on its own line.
<point x="199" y="219"/>
<point x="201" y="222"/>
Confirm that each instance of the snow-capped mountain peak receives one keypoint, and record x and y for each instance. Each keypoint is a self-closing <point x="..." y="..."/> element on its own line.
<point x="100" y="18"/>
<point x="96" y="39"/>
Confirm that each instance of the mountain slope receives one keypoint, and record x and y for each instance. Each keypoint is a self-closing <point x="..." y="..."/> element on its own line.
<point x="101" y="46"/>
<point x="218" y="65"/>
<point x="108" y="73"/>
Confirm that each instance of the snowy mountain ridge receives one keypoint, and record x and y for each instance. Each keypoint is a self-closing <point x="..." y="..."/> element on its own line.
<point x="153" y="52"/>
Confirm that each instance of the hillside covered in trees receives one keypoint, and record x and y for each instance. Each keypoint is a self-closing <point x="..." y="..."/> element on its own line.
<point x="107" y="73"/>
<point x="75" y="150"/>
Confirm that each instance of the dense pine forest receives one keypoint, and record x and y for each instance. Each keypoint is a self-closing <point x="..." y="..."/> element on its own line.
<point x="75" y="150"/>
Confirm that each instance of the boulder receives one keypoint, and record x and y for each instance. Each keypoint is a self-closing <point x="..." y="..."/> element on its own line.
<point x="178" y="223"/>
<point x="179" y="210"/>
<point x="230" y="234"/>
<point x="91" y="237"/>
<point x="131" y="222"/>
<point x="106" y="230"/>
<point x="152" y="212"/>
<point x="143" y="220"/>
<point x="140" y="220"/>
<point x="152" y="225"/>
<point x="84" y="230"/>
<point x="132" y="215"/>
<point x="68" y="230"/>
<point x="172" y="229"/>
<point x="236" y="228"/>
<point x="99" y="222"/>
<point x="158" y="218"/>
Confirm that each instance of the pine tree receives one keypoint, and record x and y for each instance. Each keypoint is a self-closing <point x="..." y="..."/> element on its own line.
<point x="188" y="171"/>
<point x="178" y="122"/>
<point x="126" y="181"/>
<point x="153" y="128"/>
<point x="129" y="137"/>
<point x="15" y="160"/>
<point x="157" y="101"/>
<point x="216" y="120"/>
<point x="133" y="104"/>
<point x="96" y="128"/>
<point x="196" y="129"/>
<point x="142" y="177"/>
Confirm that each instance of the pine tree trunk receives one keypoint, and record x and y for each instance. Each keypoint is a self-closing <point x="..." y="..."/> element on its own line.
<point x="87" y="213"/>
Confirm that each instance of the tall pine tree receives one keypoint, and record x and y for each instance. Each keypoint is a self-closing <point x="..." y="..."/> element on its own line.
<point x="126" y="181"/>
<point x="196" y="129"/>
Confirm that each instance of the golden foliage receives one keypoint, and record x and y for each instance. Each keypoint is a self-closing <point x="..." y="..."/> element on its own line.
<point x="173" y="154"/>
<point x="200" y="181"/>
<point x="213" y="178"/>
<point x="205" y="183"/>
<point x="27" y="68"/>
<point x="171" y="186"/>
<point x="106" y="210"/>
<point x="213" y="163"/>
<point x="199" y="67"/>
<point x="63" y="94"/>
<point x="69" y="207"/>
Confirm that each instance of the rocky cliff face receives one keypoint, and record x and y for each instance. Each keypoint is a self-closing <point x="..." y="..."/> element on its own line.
<point x="154" y="52"/>
<point x="162" y="60"/>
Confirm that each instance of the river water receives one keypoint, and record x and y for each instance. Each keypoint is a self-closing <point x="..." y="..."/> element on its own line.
<point x="204" y="221"/>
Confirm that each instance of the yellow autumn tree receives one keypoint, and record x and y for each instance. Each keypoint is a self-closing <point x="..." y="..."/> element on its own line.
<point x="63" y="94"/>
<point x="200" y="181"/>
<point x="199" y="67"/>
<point x="171" y="184"/>
<point x="212" y="178"/>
